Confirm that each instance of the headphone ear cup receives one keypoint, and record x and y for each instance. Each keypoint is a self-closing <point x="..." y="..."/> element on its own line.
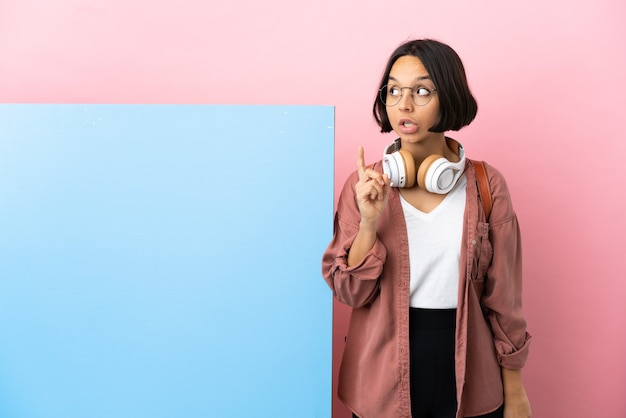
<point x="426" y="170"/>
<point x="409" y="168"/>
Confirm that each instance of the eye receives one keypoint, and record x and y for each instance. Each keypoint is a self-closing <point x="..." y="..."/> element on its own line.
<point x="394" y="91"/>
<point x="421" y="91"/>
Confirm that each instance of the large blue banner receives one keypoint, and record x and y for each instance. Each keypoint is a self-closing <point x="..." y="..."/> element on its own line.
<point x="164" y="261"/>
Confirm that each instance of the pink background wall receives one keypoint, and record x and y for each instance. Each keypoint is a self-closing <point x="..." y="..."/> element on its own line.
<point x="549" y="78"/>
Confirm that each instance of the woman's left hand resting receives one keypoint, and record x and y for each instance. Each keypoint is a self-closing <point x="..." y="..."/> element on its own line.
<point x="517" y="406"/>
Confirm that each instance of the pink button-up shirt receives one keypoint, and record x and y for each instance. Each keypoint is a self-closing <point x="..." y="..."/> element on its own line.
<point x="490" y="327"/>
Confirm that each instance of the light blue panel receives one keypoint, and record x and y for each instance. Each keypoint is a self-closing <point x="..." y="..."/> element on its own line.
<point x="164" y="261"/>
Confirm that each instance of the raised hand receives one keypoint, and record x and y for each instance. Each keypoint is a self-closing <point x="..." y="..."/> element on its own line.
<point x="372" y="190"/>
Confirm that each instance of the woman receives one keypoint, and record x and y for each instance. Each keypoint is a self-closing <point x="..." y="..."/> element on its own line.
<point x="436" y="328"/>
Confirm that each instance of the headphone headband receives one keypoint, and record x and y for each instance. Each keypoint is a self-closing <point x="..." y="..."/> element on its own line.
<point x="394" y="147"/>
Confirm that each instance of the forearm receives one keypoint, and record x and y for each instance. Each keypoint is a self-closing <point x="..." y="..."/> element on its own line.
<point x="512" y="380"/>
<point x="516" y="402"/>
<point x="363" y="242"/>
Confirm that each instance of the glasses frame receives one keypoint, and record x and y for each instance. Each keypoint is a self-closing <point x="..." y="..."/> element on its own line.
<point x="413" y="95"/>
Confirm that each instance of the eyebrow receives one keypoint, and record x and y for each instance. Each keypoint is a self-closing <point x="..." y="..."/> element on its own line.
<point x="424" y="77"/>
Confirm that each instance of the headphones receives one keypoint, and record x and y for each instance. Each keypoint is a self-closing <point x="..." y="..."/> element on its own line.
<point x="436" y="174"/>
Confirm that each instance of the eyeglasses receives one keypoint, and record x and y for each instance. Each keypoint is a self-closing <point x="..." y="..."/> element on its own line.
<point x="391" y="95"/>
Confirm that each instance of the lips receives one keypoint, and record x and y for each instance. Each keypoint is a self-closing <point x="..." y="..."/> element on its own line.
<point x="407" y="126"/>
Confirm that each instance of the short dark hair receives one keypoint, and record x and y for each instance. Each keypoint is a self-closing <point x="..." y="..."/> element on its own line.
<point x="457" y="106"/>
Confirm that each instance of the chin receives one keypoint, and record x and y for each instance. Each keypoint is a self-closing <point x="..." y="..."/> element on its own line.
<point x="411" y="138"/>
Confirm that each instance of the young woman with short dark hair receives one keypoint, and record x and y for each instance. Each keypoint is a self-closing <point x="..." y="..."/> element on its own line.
<point x="437" y="328"/>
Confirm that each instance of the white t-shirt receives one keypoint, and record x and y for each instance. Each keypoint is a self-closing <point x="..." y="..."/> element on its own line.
<point x="435" y="250"/>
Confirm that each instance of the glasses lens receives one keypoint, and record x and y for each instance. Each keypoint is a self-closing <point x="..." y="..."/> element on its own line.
<point x="421" y="96"/>
<point x="389" y="99"/>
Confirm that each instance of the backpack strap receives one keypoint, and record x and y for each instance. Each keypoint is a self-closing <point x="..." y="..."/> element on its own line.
<point x="484" y="190"/>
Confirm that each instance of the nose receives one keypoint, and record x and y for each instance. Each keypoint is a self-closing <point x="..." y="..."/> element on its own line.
<point x="406" y="101"/>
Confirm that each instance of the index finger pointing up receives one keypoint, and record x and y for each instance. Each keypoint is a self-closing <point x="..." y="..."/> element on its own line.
<point x="360" y="162"/>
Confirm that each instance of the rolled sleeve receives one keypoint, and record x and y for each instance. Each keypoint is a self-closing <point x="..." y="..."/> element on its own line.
<point x="513" y="359"/>
<point x="355" y="285"/>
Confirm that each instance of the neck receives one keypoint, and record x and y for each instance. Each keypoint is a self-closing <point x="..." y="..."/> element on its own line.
<point x="437" y="145"/>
